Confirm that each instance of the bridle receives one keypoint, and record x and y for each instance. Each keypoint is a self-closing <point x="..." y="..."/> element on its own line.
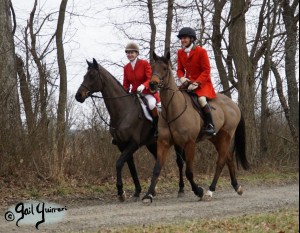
<point x="90" y="94"/>
<point x="161" y="78"/>
<point x="161" y="85"/>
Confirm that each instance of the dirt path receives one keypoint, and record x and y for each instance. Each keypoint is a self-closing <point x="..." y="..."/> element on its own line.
<point x="165" y="209"/>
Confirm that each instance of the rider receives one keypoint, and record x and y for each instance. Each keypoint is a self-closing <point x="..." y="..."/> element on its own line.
<point x="137" y="74"/>
<point x="193" y="71"/>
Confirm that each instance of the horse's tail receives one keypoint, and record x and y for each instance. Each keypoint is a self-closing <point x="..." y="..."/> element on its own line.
<point x="240" y="144"/>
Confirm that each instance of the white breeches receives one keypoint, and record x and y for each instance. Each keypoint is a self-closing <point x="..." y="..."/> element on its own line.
<point x="151" y="101"/>
<point x="202" y="101"/>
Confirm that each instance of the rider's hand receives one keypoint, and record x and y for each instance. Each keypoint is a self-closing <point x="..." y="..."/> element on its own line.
<point x="183" y="80"/>
<point x="193" y="86"/>
<point x="140" y="88"/>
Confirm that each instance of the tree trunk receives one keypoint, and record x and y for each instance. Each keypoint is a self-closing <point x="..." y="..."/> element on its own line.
<point x="244" y="71"/>
<point x="62" y="102"/>
<point x="291" y="23"/>
<point x="10" y="121"/>
<point x="25" y="94"/>
<point x="282" y="99"/>
<point x="271" y="22"/>
<point x="153" y="29"/>
<point x="217" y="44"/>
<point x="169" y="26"/>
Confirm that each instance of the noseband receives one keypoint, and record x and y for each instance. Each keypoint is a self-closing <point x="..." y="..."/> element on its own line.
<point x="89" y="93"/>
<point x="161" y="78"/>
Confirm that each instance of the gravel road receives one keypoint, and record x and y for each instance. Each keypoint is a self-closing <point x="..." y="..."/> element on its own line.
<point x="85" y="218"/>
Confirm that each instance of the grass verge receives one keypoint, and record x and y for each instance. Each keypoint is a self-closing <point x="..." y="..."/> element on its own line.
<point x="280" y="221"/>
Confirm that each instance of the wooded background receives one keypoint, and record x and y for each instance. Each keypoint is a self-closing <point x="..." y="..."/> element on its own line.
<point x="253" y="47"/>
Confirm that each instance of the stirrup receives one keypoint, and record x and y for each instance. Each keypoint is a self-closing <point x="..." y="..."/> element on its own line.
<point x="209" y="129"/>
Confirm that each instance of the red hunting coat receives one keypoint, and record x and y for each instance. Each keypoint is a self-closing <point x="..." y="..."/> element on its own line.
<point x="196" y="68"/>
<point x="141" y="74"/>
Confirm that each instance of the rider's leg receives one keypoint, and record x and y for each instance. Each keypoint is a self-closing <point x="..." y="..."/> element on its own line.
<point x="152" y="106"/>
<point x="209" y="127"/>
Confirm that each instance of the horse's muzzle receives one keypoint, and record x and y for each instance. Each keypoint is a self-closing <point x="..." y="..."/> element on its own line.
<point x="153" y="86"/>
<point x="79" y="97"/>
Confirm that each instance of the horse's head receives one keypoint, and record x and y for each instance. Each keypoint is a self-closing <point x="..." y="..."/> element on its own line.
<point x="91" y="82"/>
<point x="160" y="71"/>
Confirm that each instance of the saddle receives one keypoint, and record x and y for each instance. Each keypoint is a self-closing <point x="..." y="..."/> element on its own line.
<point x="196" y="104"/>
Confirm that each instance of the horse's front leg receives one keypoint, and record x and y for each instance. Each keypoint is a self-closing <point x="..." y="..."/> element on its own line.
<point x="190" y="149"/>
<point x="134" y="175"/>
<point x="126" y="155"/>
<point x="180" y="162"/>
<point x="162" y="152"/>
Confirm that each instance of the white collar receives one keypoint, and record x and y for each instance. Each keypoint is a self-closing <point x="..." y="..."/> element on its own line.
<point x="188" y="49"/>
<point x="133" y="63"/>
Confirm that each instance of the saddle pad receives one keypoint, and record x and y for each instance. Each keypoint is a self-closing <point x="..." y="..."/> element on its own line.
<point x="145" y="110"/>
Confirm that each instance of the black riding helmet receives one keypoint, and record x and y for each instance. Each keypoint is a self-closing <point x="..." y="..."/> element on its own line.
<point x="187" y="31"/>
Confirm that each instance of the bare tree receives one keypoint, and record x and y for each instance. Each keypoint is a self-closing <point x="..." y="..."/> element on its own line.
<point x="10" y="121"/>
<point x="270" y="26"/>
<point x="217" y="38"/>
<point x="62" y="102"/>
<point x="290" y="15"/>
<point x="244" y="71"/>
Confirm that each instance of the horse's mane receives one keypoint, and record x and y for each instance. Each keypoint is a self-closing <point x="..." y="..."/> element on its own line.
<point x="108" y="74"/>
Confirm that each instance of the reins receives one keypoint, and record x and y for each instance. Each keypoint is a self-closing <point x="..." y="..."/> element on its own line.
<point x="100" y="114"/>
<point x="174" y="119"/>
<point x="101" y="97"/>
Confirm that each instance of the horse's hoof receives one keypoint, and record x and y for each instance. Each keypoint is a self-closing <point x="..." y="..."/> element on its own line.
<point x="180" y="194"/>
<point x="147" y="199"/>
<point x="200" y="193"/>
<point x="135" y="198"/>
<point x="240" y="190"/>
<point x="122" y="197"/>
<point x="207" y="196"/>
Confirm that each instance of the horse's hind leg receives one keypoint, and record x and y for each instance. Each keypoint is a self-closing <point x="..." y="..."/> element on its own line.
<point x="134" y="175"/>
<point x="153" y="150"/>
<point x="231" y="169"/>
<point x="222" y="144"/>
<point x="125" y="155"/>
<point x="180" y="162"/>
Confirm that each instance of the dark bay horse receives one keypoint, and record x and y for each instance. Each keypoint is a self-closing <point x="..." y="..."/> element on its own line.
<point x="181" y="124"/>
<point x="128" y="126"/>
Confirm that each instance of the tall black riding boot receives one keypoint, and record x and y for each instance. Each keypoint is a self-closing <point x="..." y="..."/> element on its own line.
<point x="209" y="127"/>
<point x="155" y="121"/>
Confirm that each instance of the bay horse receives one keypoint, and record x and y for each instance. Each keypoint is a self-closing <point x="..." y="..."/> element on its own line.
<point x="181" y="124"/>
<point x="128" y="126"/>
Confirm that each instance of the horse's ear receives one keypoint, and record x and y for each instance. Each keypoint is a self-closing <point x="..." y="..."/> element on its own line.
<point x="89" y="64"/>
<point x="168" y="56"/>
<point x="154" y="56"/>
<point x="95" y="64"/>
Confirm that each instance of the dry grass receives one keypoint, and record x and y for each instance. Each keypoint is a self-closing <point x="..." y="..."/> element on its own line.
<point x="281" y="221"/>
